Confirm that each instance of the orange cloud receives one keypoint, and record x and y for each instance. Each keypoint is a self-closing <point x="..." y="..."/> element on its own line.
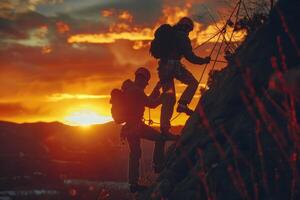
<point x="62" y="27"/>
<point x="172" y="15"/>
<point x="119" y="27"/>
<point x="65" y="96"/>
<point x="142" y="35"/>
<point x="125" y="15"/>
<point x="202" y="36"/>
<point x="107" y="13"/>
<point x="147" y="34"/>
<point x="46" y="49"/>
<point x="140" y="44"/>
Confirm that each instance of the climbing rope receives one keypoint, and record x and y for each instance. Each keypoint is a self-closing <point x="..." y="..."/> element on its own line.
<point x="151" y="122"/>
<point x="219" y="33"/>
<point x="209" y="56"/>
<point x="219" y="51"/>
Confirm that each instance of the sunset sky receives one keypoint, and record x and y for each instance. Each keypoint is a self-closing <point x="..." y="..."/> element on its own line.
<point x="61" y="58"/>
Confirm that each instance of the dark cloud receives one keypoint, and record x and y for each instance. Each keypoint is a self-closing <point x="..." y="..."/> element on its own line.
<point x="11" y="8"/>
<point x="9" y="28"/>
<point x="19" y="27"/>
<point x="144" y="12"/>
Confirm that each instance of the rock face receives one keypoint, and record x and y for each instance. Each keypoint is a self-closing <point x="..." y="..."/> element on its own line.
<point x="243" y="141"/>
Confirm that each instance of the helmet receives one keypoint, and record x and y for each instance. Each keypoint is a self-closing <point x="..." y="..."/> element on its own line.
<point x="144" y="72"/>
<point x="186" y="22"/>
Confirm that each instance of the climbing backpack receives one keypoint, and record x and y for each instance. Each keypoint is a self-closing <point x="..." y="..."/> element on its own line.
<point x="164" y="42"/>
<point x="118" y="106"/>
<point x="122" y="102"/>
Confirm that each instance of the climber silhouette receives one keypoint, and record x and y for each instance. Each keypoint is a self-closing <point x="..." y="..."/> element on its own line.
<point x="134" y="101"/>
<point x="171" y="43"/>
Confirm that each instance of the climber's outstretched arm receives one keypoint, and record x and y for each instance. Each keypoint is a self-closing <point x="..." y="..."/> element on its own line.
<point x="187" y="50"/>
<point x="154" y="98"/>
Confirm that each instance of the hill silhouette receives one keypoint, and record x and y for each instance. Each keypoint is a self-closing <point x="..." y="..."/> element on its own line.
<point x="55" y="151"/>
<point x="242" y="142"/>
<point x="48" y="153"/>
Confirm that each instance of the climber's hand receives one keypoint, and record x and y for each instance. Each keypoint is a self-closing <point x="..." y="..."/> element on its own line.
<point x="207" y="60"/>
<point x="156" y="91"/>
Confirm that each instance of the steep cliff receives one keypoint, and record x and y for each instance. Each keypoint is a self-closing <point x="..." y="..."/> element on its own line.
<point x="243" y="141"/>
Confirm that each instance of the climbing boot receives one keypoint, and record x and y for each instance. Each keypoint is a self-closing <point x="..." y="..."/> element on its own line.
<point x="183" y="108"/>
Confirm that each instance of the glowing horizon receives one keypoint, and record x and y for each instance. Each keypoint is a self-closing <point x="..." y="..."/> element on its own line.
<point x="86" y="118"/>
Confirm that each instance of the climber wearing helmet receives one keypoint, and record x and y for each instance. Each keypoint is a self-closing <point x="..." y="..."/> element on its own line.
<point x="170" y="67"/>
<point x="135" y="129"/>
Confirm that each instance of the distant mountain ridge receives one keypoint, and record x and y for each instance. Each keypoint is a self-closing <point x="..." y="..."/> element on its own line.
<point x="53" y="149"/>
<point x="39" y="147"/>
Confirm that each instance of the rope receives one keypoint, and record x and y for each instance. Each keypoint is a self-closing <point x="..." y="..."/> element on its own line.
<point x="206" y="41"/>
<point x="175" y="117"/>
<point x="221" y="31"/>
<point x="218" y="54"/>
<point x="223" y="28"/>
<point x="151" y="122"/>
<point x="207" y="63"/>
<point x="237" y="6"/>
<point x="236" y="19"/>
<point x="246" y="10"/>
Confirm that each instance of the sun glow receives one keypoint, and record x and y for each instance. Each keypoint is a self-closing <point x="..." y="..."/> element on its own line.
<point x="86" y="118"/>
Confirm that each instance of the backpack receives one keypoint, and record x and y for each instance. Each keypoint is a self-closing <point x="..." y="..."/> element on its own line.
<point x="118" y="110"/>
<point x="164" y="42"/>
<point x="121" y="103"/>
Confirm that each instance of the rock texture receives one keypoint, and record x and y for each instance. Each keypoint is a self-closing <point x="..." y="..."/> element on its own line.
<point x="243" y="141"/>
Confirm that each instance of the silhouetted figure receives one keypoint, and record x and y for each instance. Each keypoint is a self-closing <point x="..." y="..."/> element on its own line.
<point x="169" y="46"/>
<point x="134" y="101"/>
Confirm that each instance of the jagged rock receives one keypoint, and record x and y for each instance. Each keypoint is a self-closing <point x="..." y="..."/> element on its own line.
<point x="243" y="140"/>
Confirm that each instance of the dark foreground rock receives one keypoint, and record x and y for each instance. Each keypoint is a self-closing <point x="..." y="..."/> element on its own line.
<point x="243" y="141"/>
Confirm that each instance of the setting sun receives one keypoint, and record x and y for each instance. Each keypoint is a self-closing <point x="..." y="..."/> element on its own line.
<point x="86" y="118"/>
